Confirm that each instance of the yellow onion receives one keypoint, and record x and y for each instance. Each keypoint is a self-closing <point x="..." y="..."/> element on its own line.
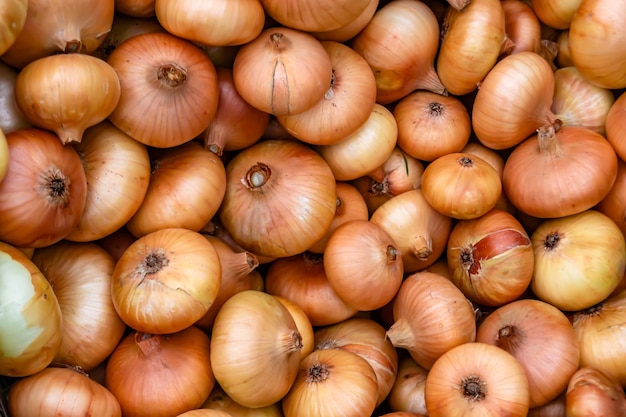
<point x="218" y="400"/>
<point x="12" y="19"/>
<point x="314" y="15"/>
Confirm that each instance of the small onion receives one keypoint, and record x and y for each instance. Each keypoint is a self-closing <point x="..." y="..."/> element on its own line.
<point x="591" y="393"/>
<point x="12" y="19"/>
<point x="616" y="125"/>
<point x="314" y="15"/>
<point x="218" y="400"/>
<point x="407" y="393"/>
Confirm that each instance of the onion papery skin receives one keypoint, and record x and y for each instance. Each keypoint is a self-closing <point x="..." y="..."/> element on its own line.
<point x="169" y="89"/>
<point x="290" y="189"/>
<point x="43" y="192"/>
<point x="186" y="187"/>
<point x="12" y="19"/>
<point x="254" y="332"/>
<point x="400" y="43"/>
<point x="166" y="280"/>
<point x="420" y="231"/>
<point x="314" y="15"/>
<point x="31" y="316"/>
<point x="11" y="117"/>
<point x="423" y="326"/>
<point x="615" y="125"/>
<point x="80" y="275"/>
<point x="61" y="392"/>
<point x="477" y="379"/>
<point x="579" y="260"/>
<point x="215" y="23"/>
<point x="593" y="393"/>
<point x="52" y="27"/>
<point x="407" y="393"/>
<point x="596" y="55"/>
<point x="522" y="26"/>
<point x="471" y="42"/>
<point x="218" y="400"/>
<point x="521" y="83"/>
<point x="559" y="174"/>
<point x="172" y="372"/>
<point x="346" y="105"/>
<point x="614" y="204"/>
<point x="350" y="30"/>
<point x="135" y="8"/>
<point x="542" y="340"/>
<point x="117" y="169"/>
<point x="490" y="258"/>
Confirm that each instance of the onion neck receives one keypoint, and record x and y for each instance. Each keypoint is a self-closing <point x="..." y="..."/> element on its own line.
<point x="508" y="338"/>
<point x="257" y="176"/>
<point x="401" y="335"/>
<point x="172" y="75"/>
<point x="430" y="81"/>
<point x="147" y="343"/>
<point x="547" y="138"/>
<point x="292" y="342"/>
<point x="422" y="248"/>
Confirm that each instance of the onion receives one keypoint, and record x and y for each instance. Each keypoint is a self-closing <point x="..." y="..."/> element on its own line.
<point x="31" y="324"/>
<point x="178" y="78"/>
<point x="614" y="204"/>
<point x="135" y="8"/>
<point x="254" y="333"/>
<point x="57" y="26"/>
<point x="169" y="374"/>
<point x="400" y="43"/>
<point x="579" y="260"/>
<point x="291" y="190"/>
<point x="477" y="379"/>
<point x="431" y="317"/>
<point x="11" y="117"/>
<point x="352" y="28"/>
<point x="215" y="23"/>
<point x="542" y="340"/>
<point x="80" y="275"/>
<point x="591" y="393"/>
<point x="117" y="169"/>
<point x="166" y="280"/>
<point x="303" y="325"/>
<point x="407" y="393"/>
<point x="522" y="26"/>
<point x="557" y="14"/>
<point x="282" y="71"/>
<point x="332" y="383"/>
<point x="44" y="190"/>
<point x="12" y="19"/>
<point x="124" y="27"/>
<point x="559" y="173"/>
<point x="615" y="125"/>
<point x="563" y="58"/>
<point x="471" y="43"/>
<point x="61" y="392"/>
<point x="311" y="15"/>
<point x="218" y="400"/>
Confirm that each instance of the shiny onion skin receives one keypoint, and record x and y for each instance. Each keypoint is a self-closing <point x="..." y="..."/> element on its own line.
<point x="280" y="198"/>
<point x="31" y="316"/>
<point x="166" y="280"/>
<point x="61" y="392"/>
<point x="44" y="190"/>
<point x="350" y="30"/>
<point x="314" y="15"/>
<point x="169" y="89"/>
<point x="12" y="19"/>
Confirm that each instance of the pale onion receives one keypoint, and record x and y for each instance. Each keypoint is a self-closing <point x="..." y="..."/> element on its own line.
<point x="513" y="100"/>
<point x="542" y="340"/>
<point x="557" y="14"/>
<point x="490" y="258"/>
<point x="314" y="15"/>
<point x="599" y="57"/>
<point x="11" y="117"/>
<point x="600" y="332"/>
<point x="169" y="89"/>
<point x="12" y="19"/>
<point x="61" y="392"/>
<point x="302" y="279"/>
<point x="461" y="185"/>
<point x="591" y="393"/>
<point x="160" y="375"/>
<point x="346" y="105"/>
<point x="477" y="379"/>
<point x="280" y="198"/>
<point x="366" y="338"/>
<point x="363" y="264"/>
<point x="351" y="29"/>
<point x="31" y="326"/>
<point x="332" y="383"/>
<point x="236" y="124"/>
<point x="431" y="317"/>
<point x="236" y="275"/>
<point x="577" y="102"/>
<point x="117" y="169"/>
<point x="431" y="125"/>
<point x="282" y="71"/>
<point x="614" y="204"/>
<point x="579" y="260"/>
<point x="166" y="280"/>
<point x="215" y="22"/>
<point x="125" y="26"/>
<point x="407" y="393"/>
<point x="253" y="334"/>
<point x="135" y="8"/>
<point x="185" y="190"/>
<point x="219" y="400"/>
<point x="60" y="26"/>
<point x="350" y="206"/>
<point x="522" y="26"/>
<point x="398" y="174"/>
<point x="559" y="173"/>
<point x="364" y="150"/>
<point x="420" y="231"/>
<point x="67" y="93"/>
<point x="400" y="43"/>
<point x="615" y="126"/>
<point x="471" y="42"/>
<point x="43" y="192"/>
<point x="80" y="275"/>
